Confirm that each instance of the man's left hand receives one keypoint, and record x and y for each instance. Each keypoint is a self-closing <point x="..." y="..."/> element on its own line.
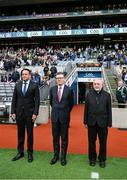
<point x="34" y="117"/>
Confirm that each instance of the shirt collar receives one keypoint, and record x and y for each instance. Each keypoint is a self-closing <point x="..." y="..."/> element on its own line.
<point x="26" y="82"/>
<point x="61" y="86"/>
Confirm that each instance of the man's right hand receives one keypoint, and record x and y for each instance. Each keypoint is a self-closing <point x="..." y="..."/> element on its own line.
<point x="85" y="125"/>
<point x="13" y="116"/>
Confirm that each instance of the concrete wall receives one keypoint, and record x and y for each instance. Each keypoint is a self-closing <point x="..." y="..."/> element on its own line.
<point x="119" y="117"/>
<point x="43" y="115"/>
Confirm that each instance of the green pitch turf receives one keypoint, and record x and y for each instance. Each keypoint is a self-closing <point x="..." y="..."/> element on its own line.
<point x="76" y="168"/>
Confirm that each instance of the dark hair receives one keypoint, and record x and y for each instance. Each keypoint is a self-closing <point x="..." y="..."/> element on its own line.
<point x="60" y="73"/>
<point x="26" y="69"/>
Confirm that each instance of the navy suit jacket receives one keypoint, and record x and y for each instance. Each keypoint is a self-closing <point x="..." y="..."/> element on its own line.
<point x="28" y="104"/>
<point x="61" y="110"/>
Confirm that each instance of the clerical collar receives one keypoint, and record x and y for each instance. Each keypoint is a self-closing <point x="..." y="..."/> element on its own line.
<point x="98" y="92"/>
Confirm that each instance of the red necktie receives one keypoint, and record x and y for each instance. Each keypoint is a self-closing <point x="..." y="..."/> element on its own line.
<point x="59" y="93"/>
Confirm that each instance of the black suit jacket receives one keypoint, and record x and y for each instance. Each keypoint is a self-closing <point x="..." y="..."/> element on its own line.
<point x="61" y="110"/>
<point x="121" y="95"/>
<point x="98" y="109"/>
<point x="28" y="104"/>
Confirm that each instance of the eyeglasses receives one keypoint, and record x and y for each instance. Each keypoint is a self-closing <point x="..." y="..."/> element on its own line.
<point x="59" y="77"/>
<point x="97" y="84"/>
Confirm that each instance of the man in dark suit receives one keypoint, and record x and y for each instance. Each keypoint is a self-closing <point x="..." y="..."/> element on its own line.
<point x="97" y="117"/>
<point x="61" y="101"/>
<point x="24" y="109"/>
<point x="121" y="94"/>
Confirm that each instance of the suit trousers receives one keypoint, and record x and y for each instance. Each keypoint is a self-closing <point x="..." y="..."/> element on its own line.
<point x="102" y="133"/>
<point x="23" y="122"/>
<point x="60" y="130"/>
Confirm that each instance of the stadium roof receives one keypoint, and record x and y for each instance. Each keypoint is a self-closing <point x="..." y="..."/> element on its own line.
<point x="23" y="2"/>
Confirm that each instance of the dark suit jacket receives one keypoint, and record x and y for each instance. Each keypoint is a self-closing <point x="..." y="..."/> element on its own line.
<point x="61" y="110"/>
<point x="98" y="109"/>
<point x="28" y="104"/>
<point x="121" y="94"/>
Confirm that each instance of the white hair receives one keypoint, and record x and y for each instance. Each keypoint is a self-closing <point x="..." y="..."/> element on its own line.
<point x="98" y="79"/>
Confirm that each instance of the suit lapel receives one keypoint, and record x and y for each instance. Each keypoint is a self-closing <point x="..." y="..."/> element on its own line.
<point x="20" y="87"/>
<point x="56" y="93"/>
<point x="29" y="86"/>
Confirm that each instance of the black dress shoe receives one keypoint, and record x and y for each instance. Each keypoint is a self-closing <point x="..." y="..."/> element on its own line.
<point x="30" y="157"/>
<point x="54" y="160"/>
<point x="102" y="164"/>
<point x="63" y="162"/>
<point x="18" y="156"/>
<point x="92" y="163"/>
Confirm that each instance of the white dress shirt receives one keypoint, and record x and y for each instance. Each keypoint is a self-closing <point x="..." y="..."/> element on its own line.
<point x="27" y="85"/>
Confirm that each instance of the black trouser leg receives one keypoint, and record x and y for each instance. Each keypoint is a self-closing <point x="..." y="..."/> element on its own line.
<point x="21" y="134"/>
<point x="102" y="134"/>
<point x="64" y="139"/>
<point x="56" y="137"/>
<point x="29" y="126"/>
<point x="92" y="136"/>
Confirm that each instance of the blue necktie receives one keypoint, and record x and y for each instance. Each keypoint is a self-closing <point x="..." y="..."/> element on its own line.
<point x="24" y="88"/>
